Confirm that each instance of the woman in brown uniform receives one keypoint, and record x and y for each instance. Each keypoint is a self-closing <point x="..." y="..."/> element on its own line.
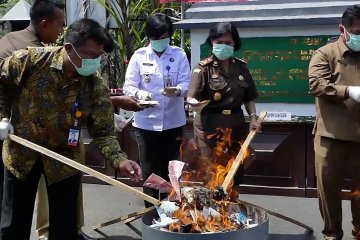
<point x="228" y="84"/>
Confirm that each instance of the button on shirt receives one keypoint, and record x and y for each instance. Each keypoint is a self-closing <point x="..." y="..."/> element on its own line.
<point x="41" y="111"/>
<point x="146" y="71"/>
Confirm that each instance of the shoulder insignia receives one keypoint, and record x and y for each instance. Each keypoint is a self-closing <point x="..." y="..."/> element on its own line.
<point x="240" y="60"/>
<point x="197" y="70"/>
<point x="206" y="61"/>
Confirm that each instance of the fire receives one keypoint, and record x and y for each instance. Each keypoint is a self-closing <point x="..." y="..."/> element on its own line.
<point x="191" y="219"/>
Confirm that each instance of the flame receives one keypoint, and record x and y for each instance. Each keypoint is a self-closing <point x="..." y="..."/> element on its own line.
<point x="217" y="167"/>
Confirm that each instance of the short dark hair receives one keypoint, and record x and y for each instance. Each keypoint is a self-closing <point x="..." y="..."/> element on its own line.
<point x="81" y="30"/>
<point x="44" y="9"/>
<point x="157" y="25"/>
<point x="350" y="14"/>
<point x="221" y="29"/>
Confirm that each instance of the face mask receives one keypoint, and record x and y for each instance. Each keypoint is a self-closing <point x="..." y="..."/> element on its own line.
<point x="88" y="65"/>
<point x="222" y="51"/>
<point x="160" y="45"/>
<point x="354" y="41"/>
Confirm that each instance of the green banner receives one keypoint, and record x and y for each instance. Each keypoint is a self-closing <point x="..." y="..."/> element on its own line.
<point x="279" y="66"/>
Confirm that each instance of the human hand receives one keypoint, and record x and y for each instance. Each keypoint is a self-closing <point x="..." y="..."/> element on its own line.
<point x="127" y="103"/>
<point x="143" y="95"/>
<point x="171" y="91"/>
<point x="354" y="93"/>
<point x="131" y="169"/>
<point x="5" y="128"/>
<point x="254" y="125"/>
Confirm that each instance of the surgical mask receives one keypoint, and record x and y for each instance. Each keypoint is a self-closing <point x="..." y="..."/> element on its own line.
<point x="160" y="45"/>
<point x="354" y="41"/>
<point x="223" y="51"/>
<point x="88" y="65"/>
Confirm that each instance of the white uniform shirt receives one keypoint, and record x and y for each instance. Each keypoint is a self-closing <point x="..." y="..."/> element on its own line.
<point x="145" y="65"/>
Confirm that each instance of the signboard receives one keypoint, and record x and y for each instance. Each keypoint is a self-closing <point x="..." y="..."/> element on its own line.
<point x="278" y="116"/>
<point x="279" y="66"/>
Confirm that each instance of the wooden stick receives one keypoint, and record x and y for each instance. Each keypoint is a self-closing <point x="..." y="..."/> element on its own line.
<point x="84" y="169"/>
<point x="240" y="157"/>
<point x="278" y="215"/>
<point x="122" y="218"/>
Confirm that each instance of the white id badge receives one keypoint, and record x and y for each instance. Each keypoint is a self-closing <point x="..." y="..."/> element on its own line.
<point x="73" y="139"/>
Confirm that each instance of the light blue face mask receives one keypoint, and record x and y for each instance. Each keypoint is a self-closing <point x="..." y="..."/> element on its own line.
<point x="88" y="65"/>
<point x="222" y="51"/>
<point x="160" y="45"/>
<point x="354" y="41"/>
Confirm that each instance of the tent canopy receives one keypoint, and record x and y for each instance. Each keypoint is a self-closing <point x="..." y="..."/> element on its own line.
<point x="19" y="12"/>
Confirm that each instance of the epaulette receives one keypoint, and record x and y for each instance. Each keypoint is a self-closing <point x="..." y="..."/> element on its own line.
<point x="206" y="61"/>
<point x="240" y="60"/>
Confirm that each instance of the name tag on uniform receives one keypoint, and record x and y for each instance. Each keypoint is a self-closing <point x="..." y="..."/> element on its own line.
<point x="148" y="64"/>
<point x="278" y="116"/>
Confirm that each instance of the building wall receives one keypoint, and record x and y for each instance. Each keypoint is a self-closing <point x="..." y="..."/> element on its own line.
<point x="198" y="37"/>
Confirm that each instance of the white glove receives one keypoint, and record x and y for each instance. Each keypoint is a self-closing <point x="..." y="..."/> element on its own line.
<point x="5" y="128"/>
<point x="354" y="93"/>
<point x="143" y="95"/>
<point x="171" y="92"/>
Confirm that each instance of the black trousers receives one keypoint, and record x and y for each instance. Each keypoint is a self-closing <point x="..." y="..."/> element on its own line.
<point x="156" y="149"/>
<point x="18" y="206"/>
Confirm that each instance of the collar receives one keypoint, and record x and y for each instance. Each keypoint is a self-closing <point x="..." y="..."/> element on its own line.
<point x="58" y="60"/>
<point x="168" y="50"/>
<point x="343" y="48"/>
<point x="31" y="28"/>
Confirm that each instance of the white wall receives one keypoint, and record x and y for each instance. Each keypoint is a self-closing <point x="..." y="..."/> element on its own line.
<point x="198" y="37"/>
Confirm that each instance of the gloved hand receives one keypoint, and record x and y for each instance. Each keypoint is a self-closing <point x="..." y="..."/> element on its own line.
<point x="5" y="128"/>
<point x="143" y="95"/>
<point x="171" y="91"/>
<point x="354" y="93"/>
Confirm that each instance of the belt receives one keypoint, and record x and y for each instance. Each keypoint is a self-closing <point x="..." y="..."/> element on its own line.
<point x="223" y="111"/>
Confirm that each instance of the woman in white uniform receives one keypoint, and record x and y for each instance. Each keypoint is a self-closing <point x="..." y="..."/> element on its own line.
<point x="158" y="72"/>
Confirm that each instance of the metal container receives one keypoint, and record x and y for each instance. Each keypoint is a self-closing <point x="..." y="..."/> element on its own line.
<point x="259" y="232"/>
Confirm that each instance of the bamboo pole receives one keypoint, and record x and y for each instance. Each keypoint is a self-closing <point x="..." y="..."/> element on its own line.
<point x="84" y="169"/>
<point x="240" y="157"/>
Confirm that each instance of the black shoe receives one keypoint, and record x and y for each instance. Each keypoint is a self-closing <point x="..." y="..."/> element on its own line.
<point x="83" y="236"/>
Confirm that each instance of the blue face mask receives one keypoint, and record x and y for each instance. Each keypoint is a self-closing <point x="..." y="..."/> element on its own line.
<point x="354" y="41"/>
<point x="160" y="45"/>
<point x="88" y="65"/>
<point x="222" y="51"/>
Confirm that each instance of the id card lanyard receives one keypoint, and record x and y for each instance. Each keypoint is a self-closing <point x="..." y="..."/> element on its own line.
<point x="168" y="78"/>
<point x="74" y="132"/>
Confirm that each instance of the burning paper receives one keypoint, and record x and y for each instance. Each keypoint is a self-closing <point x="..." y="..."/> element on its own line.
<point x="175" y="168"/>
<point x="157" y="182"/>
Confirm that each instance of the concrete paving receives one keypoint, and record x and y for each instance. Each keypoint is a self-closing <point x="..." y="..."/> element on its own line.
<point x="103" y="203"/>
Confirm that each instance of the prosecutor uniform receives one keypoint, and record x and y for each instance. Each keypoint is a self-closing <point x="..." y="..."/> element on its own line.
<point x="227" y="92"/>
<point x="334" y="68"/>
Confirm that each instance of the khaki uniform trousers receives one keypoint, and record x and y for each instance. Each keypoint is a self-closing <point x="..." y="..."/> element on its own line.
<point x="332" y="158"/>
<point x="42" y="206"/>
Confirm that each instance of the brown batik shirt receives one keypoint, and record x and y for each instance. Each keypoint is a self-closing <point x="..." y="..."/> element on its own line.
<point x="40" y="103"/>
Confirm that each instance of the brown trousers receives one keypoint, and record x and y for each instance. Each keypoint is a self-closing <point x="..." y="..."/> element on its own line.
<point x="332" y="158"/>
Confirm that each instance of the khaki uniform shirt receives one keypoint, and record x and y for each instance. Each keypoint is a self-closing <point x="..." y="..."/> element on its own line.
<point x="41" y="111"/>
<point x="18" y="40"/>
<point x="332" y="68"/>
<point x="226" y="91"/>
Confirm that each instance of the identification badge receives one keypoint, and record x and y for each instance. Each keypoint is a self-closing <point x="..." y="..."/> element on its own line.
<point x="168" y="81"/>
<point x="73" y="139"/>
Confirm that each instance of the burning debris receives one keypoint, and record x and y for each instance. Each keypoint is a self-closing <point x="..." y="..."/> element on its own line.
<point x="207" y="208"/>
<point x="199" y="209"/>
